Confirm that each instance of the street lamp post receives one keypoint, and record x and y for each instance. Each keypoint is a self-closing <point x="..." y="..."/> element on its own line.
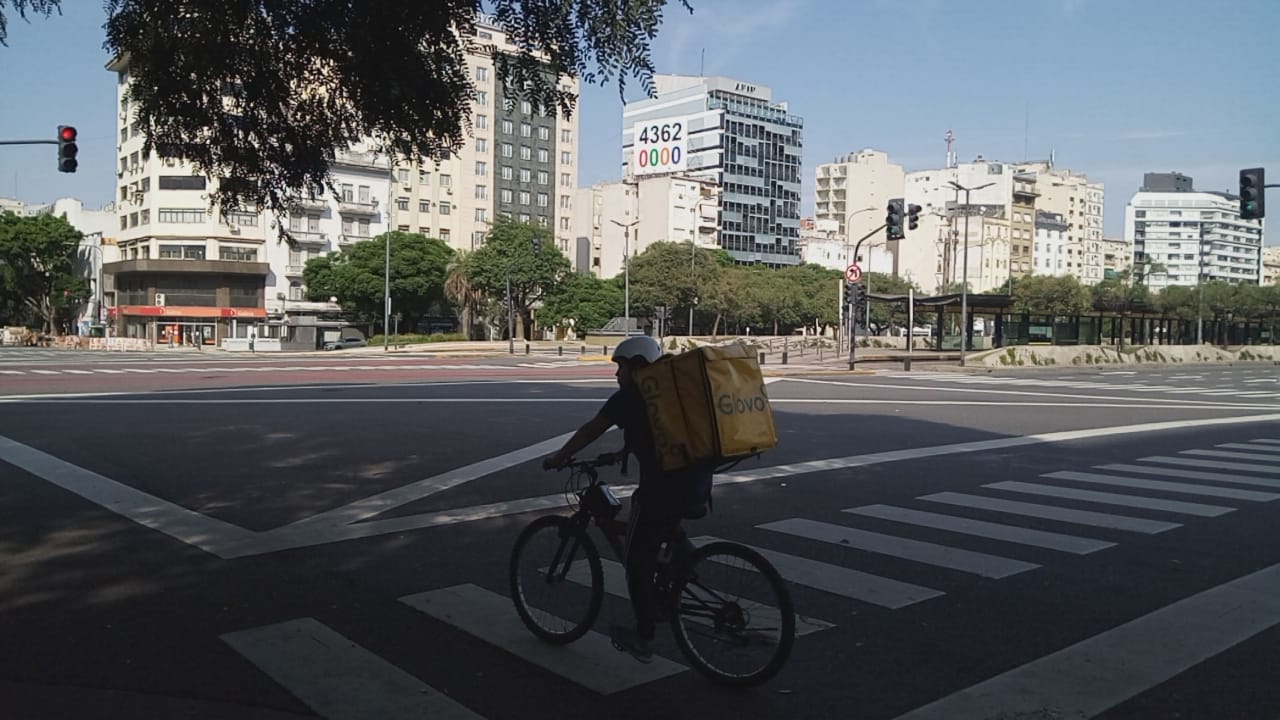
<point x="849" y="260"/>
<point x="626" y="268"/>
<point x="964" y="288"/>
<point x="386" y="294"/>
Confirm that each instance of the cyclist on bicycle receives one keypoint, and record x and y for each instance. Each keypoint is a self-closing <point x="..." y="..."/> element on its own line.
<point x="660" y="502"/>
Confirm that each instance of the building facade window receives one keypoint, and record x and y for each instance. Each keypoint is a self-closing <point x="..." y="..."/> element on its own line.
<point x="182" y="215"/>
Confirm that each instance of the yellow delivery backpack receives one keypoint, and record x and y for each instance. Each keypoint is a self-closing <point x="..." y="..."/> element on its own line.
<point x="707" y="406"/>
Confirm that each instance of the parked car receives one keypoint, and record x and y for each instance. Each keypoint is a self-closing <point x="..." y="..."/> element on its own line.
<point x="347" y="342"/>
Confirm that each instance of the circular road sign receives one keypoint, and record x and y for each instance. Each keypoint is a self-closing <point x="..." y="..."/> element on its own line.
<point x="853" y="273"/>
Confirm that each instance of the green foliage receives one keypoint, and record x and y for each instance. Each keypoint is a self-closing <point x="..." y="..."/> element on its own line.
<point x="418" y="339"/>
<point x="1050" y="295"/>
<point x="586" y="300"/>
<point x="884" y="314"/>
<point x="508" y="251"/>
<point x="38" y="279"/>
<point x="266" y="93"/>
<point x="356" y="276"/>
<point x="22" y="7"/>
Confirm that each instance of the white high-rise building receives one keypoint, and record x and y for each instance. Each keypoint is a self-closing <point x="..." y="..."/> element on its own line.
<point x="1196" y="236"/>
<point x="629" y="216"/>
<point x="737" y="136"/>
<point x="1050" y="256"/>
<point x="520" y="162"/>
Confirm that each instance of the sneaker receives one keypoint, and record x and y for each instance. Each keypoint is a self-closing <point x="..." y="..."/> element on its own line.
<point x="628" y="640"/>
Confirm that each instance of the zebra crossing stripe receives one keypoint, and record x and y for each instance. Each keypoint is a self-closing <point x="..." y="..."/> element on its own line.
<point x="1173" y="487"/>
<point x="591" y="661"/>
<point x="337" y="678"/>
<point x="1266" y="441"/>
<point x="976" y="563"/>
<point x="980" y="528"/>
<point x="1192" y="474"/>
<point x="1105" y="498"/>
<point x="11" y="372"/>
<point x="1253" y="448"/>
<point x="615" y="583"/>
<point x="1231" y="455"/>
<point x="78" y="372"/>
<point x="837" y="580"/>
<point x="1212" y="464"/>
<point x="1087" y="679"/>
<point x="1052" y="512"/>
<point x="45" y="372"/>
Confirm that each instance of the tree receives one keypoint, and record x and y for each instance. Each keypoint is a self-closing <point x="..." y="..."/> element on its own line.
<point x="509" y="252"/>
<point x="357" y="275"/>
<point x="263" y="94"/>
<point x="36" y="7"/>
<point x="37" y="268"/>
<point x="1050" y="295"/>
<point x="886" y="314"/>
<point x="459" y="290"/>
<point x="586" y="300"/>
<point x="661" y="275"/>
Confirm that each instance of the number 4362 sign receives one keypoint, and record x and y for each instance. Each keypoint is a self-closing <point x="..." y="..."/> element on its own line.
<point x="660" y="146"/>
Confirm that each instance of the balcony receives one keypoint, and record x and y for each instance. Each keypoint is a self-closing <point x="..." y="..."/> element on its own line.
<point x="309" y="203"/>
<point x="355" y="207"/>
<point x="175" y="265"/>
<point x="363" y="160"/>
<point x="347" y="239"/>
<point x="293" y="270"/>
<point x="309" y="236"/>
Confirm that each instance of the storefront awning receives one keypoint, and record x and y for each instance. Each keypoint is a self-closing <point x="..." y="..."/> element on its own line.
<point x="191" y="311"/>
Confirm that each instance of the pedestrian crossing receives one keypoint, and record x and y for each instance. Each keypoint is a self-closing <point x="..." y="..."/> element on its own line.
<point x="249" y="369"/>
<point x="332" y="674"/>
<point x="1263" y="388"/>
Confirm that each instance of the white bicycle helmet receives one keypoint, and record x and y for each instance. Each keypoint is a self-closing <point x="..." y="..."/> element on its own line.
<point x="637" y="347"/>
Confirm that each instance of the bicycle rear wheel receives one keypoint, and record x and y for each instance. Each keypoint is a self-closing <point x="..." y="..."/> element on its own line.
<point x="557" y="582"/>
<point x="734" y="619"/>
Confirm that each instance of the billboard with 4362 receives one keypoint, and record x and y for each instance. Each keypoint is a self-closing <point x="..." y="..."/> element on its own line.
<point x="660" y="146"/>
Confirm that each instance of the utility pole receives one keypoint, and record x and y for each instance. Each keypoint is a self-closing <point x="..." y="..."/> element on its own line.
<point x="964" y="289"/>
<point x="853" y="315"/>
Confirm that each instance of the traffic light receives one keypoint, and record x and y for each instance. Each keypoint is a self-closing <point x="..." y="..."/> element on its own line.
<point x="67" y="149"/>
<point x="913" y="216"/>
<point x="1253" y="204"/>
<point x="893" y="220"/>
<point x="537" y="246"/>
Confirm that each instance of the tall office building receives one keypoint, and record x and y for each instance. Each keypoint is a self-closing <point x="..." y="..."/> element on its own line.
<point x="744" y="141"/>
<point x="1195" y="236"/>
<point x="520" y="162"/>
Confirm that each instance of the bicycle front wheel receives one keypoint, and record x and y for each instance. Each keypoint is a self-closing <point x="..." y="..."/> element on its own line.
<point x="557" y="582"/>
<point x="734" y="618"/>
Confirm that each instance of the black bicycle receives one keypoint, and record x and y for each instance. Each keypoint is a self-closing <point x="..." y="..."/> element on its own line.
<point x="729" y="608"/>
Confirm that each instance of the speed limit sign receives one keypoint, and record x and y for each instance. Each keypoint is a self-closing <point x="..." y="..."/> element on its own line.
<point x="853" y="273"/>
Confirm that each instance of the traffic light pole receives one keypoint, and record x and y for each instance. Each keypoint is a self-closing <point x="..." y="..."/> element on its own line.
<point x="853" y="311"/>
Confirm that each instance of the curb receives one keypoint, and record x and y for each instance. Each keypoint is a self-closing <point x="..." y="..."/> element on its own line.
<point x="593" y="358"/>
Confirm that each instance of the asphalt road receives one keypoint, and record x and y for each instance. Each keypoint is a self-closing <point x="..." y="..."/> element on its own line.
<point x="1033" y="544"/>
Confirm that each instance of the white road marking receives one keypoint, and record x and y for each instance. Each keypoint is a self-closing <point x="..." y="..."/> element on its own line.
<point x="1052" y="512"/>
<point x="1255" y="457"/>
<point x="1193" y="474"/>
<point x="837" y="580"/>
<point x="337" y="678"/>
<point x="980" y="528"/>
<point x="990" y="566"/>
<point x="591" y="661"/>
<point x="185" y="525"/>
<point x="1104" y="498"/>
<point x="1212" y="464"/>
<point x="1086" y="679"/>
<point x="1162" y="486"/>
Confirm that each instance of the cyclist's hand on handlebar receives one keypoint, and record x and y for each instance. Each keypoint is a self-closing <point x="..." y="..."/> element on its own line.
<point x="555" y="461"/>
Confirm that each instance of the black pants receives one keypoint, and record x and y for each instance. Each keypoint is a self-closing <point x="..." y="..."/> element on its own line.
<point x="647" y="528"/>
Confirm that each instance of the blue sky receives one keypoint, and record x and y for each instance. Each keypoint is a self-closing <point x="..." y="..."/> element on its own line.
<point x="1115" y="88"/>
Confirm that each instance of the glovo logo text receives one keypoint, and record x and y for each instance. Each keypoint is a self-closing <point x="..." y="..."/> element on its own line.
<point x="730" y="404"/>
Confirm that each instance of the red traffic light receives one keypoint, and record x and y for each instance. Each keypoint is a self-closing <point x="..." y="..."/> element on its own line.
<point x="66" y="133"/>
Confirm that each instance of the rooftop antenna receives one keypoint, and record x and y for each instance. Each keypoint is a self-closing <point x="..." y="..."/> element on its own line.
<point x="1026" y="130"/>
<point x="951" y="156"/>
<point x="702" y="67"/>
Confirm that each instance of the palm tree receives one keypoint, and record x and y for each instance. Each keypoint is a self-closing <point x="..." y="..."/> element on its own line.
<point x="458" y="288"/>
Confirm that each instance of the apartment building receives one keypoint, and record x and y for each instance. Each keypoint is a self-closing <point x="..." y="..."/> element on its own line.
<point x="520" y="161"/>
<point x="1196" y="236"/>
<point x="1080" y="203"/>
<point x="1117" y="257"/>
<point x="1050" y="253"/>
<point x="745" y="142"/>
<point x="615" y="218"/>
<point x="854" y="190"/>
